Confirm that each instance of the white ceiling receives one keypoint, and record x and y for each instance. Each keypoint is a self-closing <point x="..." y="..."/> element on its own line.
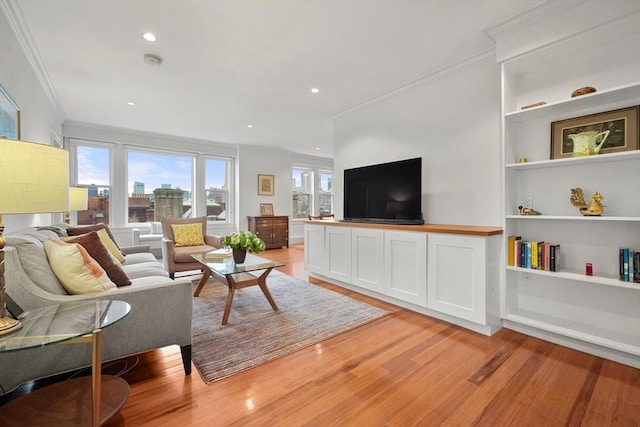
<point x="228" y="64"/>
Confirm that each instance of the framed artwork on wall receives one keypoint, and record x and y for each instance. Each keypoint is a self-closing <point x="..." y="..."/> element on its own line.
<point x="9" y="116"/>
<point x="266" y="209"/>
<point x="611" y="132"/>
<point x="265" y="185"/>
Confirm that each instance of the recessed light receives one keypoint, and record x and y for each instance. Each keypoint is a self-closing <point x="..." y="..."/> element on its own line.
<point x="317" y="148"/>
<point x="315" y="90"/>
<point x="249" y="126"/>
<point x="131" y="103"/>
<point x="150" y="37"/>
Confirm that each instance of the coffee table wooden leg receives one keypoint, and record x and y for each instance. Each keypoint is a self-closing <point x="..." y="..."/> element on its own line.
<point x="227" y="305"/>
<point x="206" y="273"/>
<point x="262" y="282"/>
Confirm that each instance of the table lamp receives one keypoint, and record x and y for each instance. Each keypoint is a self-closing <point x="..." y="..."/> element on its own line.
<point x="34" y="178"/>
<point x="78" y="201"/>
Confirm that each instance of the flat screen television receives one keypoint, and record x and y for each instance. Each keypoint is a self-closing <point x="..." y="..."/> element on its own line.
<point x="387" y="193"/>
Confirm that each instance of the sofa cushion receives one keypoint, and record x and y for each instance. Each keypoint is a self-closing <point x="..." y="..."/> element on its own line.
<point x="76" y="270"/>
<point x="145" y="269"/>
<point x="35" y="264"/>
<point x="187" y="234"/>
<point x="138" y="257"/>
<point x="97" y="250"/>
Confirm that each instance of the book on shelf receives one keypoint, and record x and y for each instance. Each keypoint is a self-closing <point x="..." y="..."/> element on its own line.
<point x="219" y="254"/>
<point x="511" y="250"/>
<point x="629" y="265"/>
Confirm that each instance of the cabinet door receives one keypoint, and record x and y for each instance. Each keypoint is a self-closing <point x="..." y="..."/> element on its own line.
<point x="405" y="257"/>
<point x="457" y="276"/>
<point x="314" y="248"/>
<point x="263" y="230"/>
<point x="280" y="232"/>
<point x="367" y="258"/>
<point x="338" y="253"/>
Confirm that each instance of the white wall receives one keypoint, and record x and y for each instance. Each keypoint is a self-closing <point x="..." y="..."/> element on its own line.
<point x="256" y="161"/>
<point x="453" y="123"/>
<point x="40" y="117"/>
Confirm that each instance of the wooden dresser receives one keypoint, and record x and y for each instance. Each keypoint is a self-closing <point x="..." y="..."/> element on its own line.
<point x="274" y="230"/>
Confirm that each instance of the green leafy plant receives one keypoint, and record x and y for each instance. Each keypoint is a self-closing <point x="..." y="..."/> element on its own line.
<point x="245" y="240"/>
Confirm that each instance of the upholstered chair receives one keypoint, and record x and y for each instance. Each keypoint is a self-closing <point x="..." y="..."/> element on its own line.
<point x="184" y="237"/>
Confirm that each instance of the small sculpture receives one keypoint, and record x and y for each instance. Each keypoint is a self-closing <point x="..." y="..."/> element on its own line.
<point x="594" y="208"/>
<point x="583" y="91"/>
<point x="528" y="211"/>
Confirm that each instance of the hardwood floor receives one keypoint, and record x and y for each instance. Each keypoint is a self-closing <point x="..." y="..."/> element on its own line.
<point x="405" y="369"/>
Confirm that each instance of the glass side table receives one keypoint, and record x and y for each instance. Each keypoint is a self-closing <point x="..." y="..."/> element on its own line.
<point x="81" y="401"/>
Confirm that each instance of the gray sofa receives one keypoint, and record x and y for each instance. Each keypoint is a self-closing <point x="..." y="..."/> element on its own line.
<point x="161" y="310"/>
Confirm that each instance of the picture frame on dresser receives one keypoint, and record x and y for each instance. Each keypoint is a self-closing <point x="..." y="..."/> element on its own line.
<point x="622" y="124"/>
<point x="266" y="209"/>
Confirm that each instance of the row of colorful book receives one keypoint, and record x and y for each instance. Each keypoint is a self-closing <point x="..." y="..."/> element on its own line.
<point x="629" y="265"/>
<point x="531" y="254"/>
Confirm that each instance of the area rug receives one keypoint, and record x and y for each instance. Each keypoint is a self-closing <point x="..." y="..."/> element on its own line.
<point x="256" y="334"/>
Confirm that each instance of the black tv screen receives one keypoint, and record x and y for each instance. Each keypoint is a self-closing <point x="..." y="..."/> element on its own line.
<point x="389" y="193"/>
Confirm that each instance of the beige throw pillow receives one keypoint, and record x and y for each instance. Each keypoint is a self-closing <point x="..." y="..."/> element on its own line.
<point x="75" y="269"/>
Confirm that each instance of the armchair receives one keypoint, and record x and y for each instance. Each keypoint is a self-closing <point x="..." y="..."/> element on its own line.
<point x="178" y="258"/>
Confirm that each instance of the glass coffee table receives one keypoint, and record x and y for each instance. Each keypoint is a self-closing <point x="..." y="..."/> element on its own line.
<point x="237" y="276"/>
<point x="81" y="401"/>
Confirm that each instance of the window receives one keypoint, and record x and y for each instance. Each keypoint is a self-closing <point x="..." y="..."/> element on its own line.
<point x="216" y="188"/>
<point x="159" y="186"/>
<point x="325" y="192"/>
<point x="92" y="171"/>
<point x="302" y="183"/>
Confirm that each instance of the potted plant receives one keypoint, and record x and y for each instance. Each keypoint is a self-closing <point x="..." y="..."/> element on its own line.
<point x="242" y="242"/>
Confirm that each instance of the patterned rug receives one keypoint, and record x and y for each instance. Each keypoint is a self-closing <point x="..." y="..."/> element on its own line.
<point x="256" y="334"/>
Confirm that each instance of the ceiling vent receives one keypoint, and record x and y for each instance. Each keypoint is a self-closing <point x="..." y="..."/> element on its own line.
<point x="152" y="59"/>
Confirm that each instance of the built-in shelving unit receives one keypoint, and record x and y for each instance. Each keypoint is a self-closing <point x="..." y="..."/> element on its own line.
<point x="599" y="313"/>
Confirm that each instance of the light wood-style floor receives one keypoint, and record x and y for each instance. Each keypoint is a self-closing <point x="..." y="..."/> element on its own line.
<point x="405" y="369"/>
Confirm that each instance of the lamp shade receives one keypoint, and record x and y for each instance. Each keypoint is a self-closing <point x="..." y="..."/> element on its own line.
<point x="78" y="198"/>
<point x="34" y="178"/>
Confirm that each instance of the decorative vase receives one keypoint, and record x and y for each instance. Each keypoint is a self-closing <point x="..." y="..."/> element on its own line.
<point x="239" y="255"/>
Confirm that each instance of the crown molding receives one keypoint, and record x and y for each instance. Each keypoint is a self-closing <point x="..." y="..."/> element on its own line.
<point x="15" y="18"/>
<point x="531" y="17"/>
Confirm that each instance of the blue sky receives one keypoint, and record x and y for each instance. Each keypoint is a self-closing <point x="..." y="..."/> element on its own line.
<point x="150" y="168"/>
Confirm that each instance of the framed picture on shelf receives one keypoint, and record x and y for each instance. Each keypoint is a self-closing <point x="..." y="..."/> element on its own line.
<point x="265" y="185"/>
<point x="9" y="116"/>
<point x="266" y="209"/>
<point x="610" y="132"/>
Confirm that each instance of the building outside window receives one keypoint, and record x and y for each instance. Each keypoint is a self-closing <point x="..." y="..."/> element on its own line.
<point x="92" y="171"/>
<point x="159" y="186"/>
<point x="217" y="172"/>
<point x="325" y="192"/>
<point x="302" y="197"/>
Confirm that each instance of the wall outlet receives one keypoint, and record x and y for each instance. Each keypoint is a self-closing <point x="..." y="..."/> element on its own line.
<point x="528" y="202"/>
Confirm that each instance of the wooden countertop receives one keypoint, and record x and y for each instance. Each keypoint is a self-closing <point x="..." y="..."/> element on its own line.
<point x="469" y="230"/>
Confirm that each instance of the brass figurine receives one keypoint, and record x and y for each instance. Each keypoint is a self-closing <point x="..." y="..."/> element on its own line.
<point x="594" y="208"/>
<point x="528" y="211"/>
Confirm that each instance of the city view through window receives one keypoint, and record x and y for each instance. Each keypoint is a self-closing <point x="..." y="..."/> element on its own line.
<point x="158" y="185"/>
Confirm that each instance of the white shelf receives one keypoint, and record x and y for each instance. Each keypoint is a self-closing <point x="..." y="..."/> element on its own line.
<point x="604" y="337"/>
<point x="575" y="218"/>
<point x="585" y="160"/>
<point x="628" y="92"/>
<point x="579" y="277"/>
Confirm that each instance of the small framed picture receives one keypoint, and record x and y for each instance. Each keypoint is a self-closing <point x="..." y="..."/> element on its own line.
<point x="265" y="185"/>
<point x="266" y="209"/>
<point x="609" y="132"/>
